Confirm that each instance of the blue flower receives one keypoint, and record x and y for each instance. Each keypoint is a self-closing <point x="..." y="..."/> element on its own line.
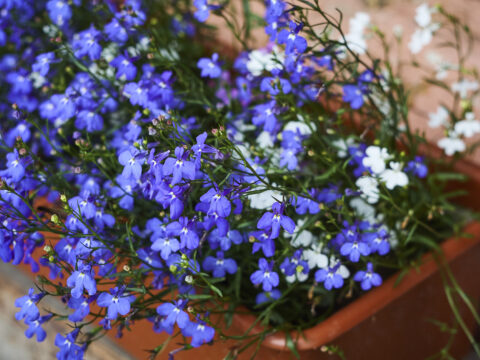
<point x="275" y="84"/>
<point x="329" y="277"/>
<point x="27" y="303"/>
<point x="68" y="349"/>
<point x="216" y="240"/>
<point x="268" y="296"/>
<point x="81" y="306"/>
<point x="89" y="120"/>
<point x="174" y="313"/>
<point x="86" y="43"/>
<point x="265" y="116"/>
<point x="354" y="249"/>
<point x="417" y="167"/>
<point x="59" y="11"/>
<point x="210" y="67"/>
<point x="132" y="161"/>
<point x="115" y="31"/>
<point x="378" y="241"/>
<point x="293" y="41"/>
<point x="82" y="279"/>
<point x="200" y="332"/>
<point x="304" y="205"/>
<point x="35" y="327"/>
<point x="171" y="197"/>
<point x="186" y="230"/>
<point x="265" y="276"/>
<point x="203" y="10"/>
<point x="368" y="278"/>
<point x="264" y="242"/>
<point x="115" y="302"/>
<point x="201" y="148"/>
<point x="166" y="246"/>
<point x="218" y="202"/>
<point x="42" y="63"/>
<point x="15" y="167"/>
<point x="180" y="167"/>
<point x="354" y="94"/>
<point x="291" y="265"/>
<point x="219" y="266"/>
<point x="125" y="68"/>
<point x="275" y="220"/>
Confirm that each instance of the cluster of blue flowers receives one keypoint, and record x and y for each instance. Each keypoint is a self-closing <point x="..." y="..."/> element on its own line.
<point x="152" y="183"/>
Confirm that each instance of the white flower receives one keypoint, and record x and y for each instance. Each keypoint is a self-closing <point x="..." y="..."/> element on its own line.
<point x="394" y="176"/>
<point x="375" y="159"/>
<point x="369" y="187"/>
<point x="38" y="80"/>
<point x="468" y="127"/>
<point x="342" y="145"/>
<point x="315" y="257"/>
<point x="423" y="15"/>
<point x="265" y="140"/>
<point x="464" y="86"/>
<point x="355" y="38"/>
<point x="342" y="269"/>
<point x="264" y="200"/>
<point x="419" y="39"/>
<point x="260" y="60"/>
<point x="303" y="128"/>
<point x="298" y="276"/>
<point x="440" y="118"/>
<point x="364" y="210"/>
<point x="451" y="145"/>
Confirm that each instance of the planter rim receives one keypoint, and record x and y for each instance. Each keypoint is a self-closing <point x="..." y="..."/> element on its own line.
<point x="368" y="304"/>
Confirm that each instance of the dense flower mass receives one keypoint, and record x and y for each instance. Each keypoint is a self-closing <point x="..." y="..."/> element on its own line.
<point x="170" y="177"/>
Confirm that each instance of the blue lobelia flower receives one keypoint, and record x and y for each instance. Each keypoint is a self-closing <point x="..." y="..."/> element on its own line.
<point x="263" y="241"/>
<point x="219" y="266"/>
<point x="68" y="349"/>
<point x="35" y="327"/>
<point x="265" y="276"/>
<point x="89" y="120"/>
<point x="59" y="11"/>
<point x="86" y="43"/>
<point x="292" y="40"/>
<point x="265" y="115"/>
<point x="15" y="167"/>
<point x="304" y="205"/>
<point x="81" y="279"/>
<point x="201" y="148"/>
<point x="291" y="265"/>
<point x="115" y="31"/>
<point x="355" y="247"/>
<point x="166" y="246"/>
<point x="209" y="67"/>
<point x="275" y="85"/>
<point x="275" y="220"/>
<point x="417" y="167"/>
<point x="42" y="63"/>
<point x="174" y="313"/>
<point x="180" y="167"/>
<point x="125" y="68"/>
<point x="132" y="160"/>
<point x="368" y="278"/>
<point x="185" y="229"/>
<point x="81" y="306"/>
<point x="354" y="94"/>
<point x="216" y="239"/>
<point x="171" y="197"/>
<point x="115" y="302"/>
<point x="378" y="241"/>
<point x="200" y="332"/>
<point x="27" y="303"/>
<point x="203" y="10"/>
<point x="268" y="296"/>
<point x="218" y="202"/>
<point x="329" y="277"/>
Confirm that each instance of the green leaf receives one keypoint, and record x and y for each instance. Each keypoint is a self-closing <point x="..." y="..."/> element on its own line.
<point x="291" y="345"/>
